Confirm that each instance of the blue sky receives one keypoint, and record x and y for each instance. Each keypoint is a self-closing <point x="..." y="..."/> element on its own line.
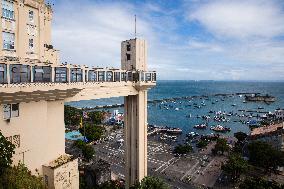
<point x="191" y="40"/>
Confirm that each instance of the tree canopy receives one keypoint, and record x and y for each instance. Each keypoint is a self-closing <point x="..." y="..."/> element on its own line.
<point x="87" y="150"/>
<point x="151" y="183"/>
<point x="264" y="155"/>
<point x="72" y="116"/>
<point x="202" y="144"/>
<point x="7" y="149"/>
<point x="182" y="149"/>
<point x="113" y="184"/>
<point x="241" y="136"/>
<point x="93" y="132"/>
<point x="220" y="146"/>
<point x="19" y="177"/>
<point x="95" y="117"/>
<point x="259" y="183"/>
<point x="235" y="166"/>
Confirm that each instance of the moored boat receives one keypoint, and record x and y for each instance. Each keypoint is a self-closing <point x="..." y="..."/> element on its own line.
<point x="220" y="128"/>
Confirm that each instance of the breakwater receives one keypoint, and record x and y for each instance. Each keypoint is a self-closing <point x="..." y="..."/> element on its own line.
<point x="224" y="95"/>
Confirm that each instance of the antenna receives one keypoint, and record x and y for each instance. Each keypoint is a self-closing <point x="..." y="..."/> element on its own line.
<point x="135" y="26"/>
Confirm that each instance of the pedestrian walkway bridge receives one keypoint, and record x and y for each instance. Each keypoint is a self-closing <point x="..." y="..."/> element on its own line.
<point x="34" y="82"/>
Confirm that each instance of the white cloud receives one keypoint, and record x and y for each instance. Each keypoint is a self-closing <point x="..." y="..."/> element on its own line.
<point x="91" y="33"/>
<point x="205" y="46"/>
<point x="241" y="18"/>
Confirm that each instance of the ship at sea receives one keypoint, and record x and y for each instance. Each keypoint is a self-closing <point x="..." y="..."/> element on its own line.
<point x="261" y="98"/>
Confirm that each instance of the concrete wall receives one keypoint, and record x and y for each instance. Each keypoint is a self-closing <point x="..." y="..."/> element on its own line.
<point x="40" y="126"/>
<point x="64" y="176"/>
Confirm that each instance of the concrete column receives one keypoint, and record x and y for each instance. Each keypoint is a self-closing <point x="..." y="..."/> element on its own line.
<point x="135" y="137"/>
<point x="32" y="73"/>
<point x="52" y="74"/>
<point x="8" y="75"/>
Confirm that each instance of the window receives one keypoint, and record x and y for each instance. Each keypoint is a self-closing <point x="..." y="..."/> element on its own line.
<point x="8" y="41"/>
<point x="42" y="73"/>
<point x="31" y="44"/>
<point x="31" y="16"/>
<point x="109" y="76"/>
<point x="76" y="75"/>
<point x="7" y="9"/>
<point x="92" y="75"/>
<point x="116" y="76"/>
<point x="148" y="76"/>
<point x="10" y="110"/>
<point x="123" y="76"/>
<point x="3" y="73"/>
<point x="128" y="56"/>
<point x="20" y="73"/>
<point x="129" y="76"/>
<point x="61" y="75"/>
<point x="128" y="47"/>
<point x="101" y="76"/>
<point x="15" y="110"/>
<point x="154" y="76"/>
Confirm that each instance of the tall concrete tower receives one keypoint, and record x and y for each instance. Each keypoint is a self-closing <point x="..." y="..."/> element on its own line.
<point x="134" y="57"/>
<point x="134" y="54"/>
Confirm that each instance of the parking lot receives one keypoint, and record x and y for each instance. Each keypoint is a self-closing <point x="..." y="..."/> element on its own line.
<point x="183" y="171"/>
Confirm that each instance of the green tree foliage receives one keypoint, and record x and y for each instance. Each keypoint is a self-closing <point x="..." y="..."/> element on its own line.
<point x="95" y="117"/>
<point x="264" y="155"/>
<point x="87" y="150"/>
<point x="221" y="146"/>
<point x="93" y="132"/>
<point x="151" y="183"/>
<point x="19" y="177"/>
<point x="113" y="184"/>
<point x="235" y="166"/>
<point x="240" y="143"/>
<point x="202" y="144"/>
<point x="241" y="136"/>
<point x="72" y="116"/>
<point x="7" y="149"/>
<point x="182" y="149"/>
<point x="259" y="183"/>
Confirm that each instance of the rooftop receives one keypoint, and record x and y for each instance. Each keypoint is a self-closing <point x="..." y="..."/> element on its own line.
<point x="60" y="161"/>
<point x="267" y="129"/>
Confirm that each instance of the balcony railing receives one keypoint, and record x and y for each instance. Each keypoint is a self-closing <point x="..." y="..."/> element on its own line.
<point x="42" y="73"/>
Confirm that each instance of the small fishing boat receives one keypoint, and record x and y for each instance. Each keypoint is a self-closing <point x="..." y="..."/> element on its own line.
<point x="192" y="135"/>
<point x="174" y="130"/>
<point x="201" y="126"/>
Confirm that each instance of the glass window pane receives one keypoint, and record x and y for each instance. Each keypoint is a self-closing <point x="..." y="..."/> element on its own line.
<point x="7" y="111"/>
<point x="15" y="110"/>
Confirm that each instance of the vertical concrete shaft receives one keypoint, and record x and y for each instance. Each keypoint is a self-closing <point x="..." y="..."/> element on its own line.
<point x="135" y="137"/>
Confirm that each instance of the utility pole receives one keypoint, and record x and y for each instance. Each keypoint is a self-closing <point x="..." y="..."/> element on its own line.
<point x="23" y="154"/>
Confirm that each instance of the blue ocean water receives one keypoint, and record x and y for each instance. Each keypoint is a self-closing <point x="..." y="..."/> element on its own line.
<point x="159" y="115"/>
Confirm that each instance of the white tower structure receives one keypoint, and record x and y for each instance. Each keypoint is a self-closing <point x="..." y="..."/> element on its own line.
<point x="134" y="57"/>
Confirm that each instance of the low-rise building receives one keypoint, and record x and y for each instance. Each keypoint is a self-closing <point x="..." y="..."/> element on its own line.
<point x="272" y="134"/>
